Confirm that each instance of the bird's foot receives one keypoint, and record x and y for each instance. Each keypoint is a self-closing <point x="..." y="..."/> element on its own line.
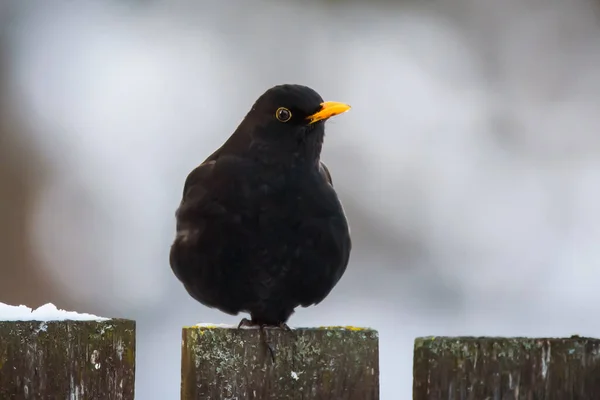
<point x="246" y="323"/>
<point x="285" y="327"/>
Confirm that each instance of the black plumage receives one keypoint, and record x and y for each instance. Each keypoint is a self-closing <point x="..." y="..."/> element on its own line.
<point x="260" y="228"/>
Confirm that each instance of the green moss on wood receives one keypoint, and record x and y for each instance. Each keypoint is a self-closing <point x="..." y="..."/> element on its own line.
<point x="332" y="362"/>
<point x="67" y="359"/>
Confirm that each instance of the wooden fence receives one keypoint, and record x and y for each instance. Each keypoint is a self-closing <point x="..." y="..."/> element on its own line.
<point x="85" y="360"/>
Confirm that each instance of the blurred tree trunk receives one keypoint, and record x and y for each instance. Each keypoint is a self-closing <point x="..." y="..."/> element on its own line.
<point x="21" y="281"/>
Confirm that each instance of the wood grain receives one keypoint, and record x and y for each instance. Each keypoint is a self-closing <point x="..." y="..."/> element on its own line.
<point x="324" y="363"/>
<point x="469" y="368"/>
<point x="83" y="360"/>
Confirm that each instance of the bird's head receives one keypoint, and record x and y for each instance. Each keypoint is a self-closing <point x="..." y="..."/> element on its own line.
<point x="290" y="118"/>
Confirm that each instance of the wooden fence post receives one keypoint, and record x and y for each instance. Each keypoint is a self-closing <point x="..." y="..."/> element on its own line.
<point x="339" y="363"/>
<point x="82" y="360"/>
<point x="465" y="368"/>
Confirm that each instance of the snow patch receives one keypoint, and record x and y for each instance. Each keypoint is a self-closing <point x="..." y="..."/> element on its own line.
<point x="47" y="312"/>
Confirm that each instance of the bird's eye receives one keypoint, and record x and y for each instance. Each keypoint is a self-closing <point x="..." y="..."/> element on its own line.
<point x="283" y="114"/>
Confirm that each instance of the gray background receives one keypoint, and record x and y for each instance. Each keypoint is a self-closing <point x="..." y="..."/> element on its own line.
<point x="469" y="165"/>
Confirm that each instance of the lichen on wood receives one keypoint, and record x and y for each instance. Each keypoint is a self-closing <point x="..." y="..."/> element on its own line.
<point x="465" y="368"/>
<point x="83" y="360"/>
<point x="339" y="363"/>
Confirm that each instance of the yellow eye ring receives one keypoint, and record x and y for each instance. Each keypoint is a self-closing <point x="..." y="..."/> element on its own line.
<point x="283" y="114"/>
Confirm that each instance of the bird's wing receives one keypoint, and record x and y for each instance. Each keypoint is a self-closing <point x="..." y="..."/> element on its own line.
<point x="194" y="197"/>
<point x="325" y="173"/>
<point x="187" y="256"/>
<point x="200" y="173"/>
<point x="195" y="179"/>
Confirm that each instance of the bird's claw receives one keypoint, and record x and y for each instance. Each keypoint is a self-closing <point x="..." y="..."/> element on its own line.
<point x="245" y="322"/>
<point x="285" y="327"/>
<point x="267" y="342"/>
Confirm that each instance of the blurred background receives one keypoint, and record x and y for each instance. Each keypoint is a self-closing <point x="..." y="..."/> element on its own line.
<point x="469" y="165"/>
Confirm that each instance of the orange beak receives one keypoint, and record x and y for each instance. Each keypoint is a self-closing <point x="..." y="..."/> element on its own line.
<point x="328" y="109"/>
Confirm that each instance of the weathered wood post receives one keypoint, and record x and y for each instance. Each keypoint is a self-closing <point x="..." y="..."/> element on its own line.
<point x="75" y="357"/>
<point x="339" y="363"/>
<point x="465" y="368"/>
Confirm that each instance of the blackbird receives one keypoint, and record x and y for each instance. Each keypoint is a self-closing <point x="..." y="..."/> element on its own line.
<point x="260" y="228"/>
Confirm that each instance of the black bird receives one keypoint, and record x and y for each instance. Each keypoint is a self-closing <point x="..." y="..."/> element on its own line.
<point x="260" y="228"/>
